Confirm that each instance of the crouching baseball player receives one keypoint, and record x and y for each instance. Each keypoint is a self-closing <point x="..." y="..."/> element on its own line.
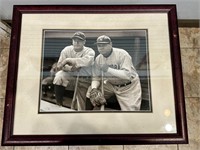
<point x="114" y="72"/>
<point x="47" y="83"/>
<point x="75" y="62"/>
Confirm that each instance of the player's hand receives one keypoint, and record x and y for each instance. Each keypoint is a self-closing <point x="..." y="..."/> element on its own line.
<point x="59" y="66"/>
<point x="104" y="67"/>
<point x="67" y="68"/>
<point x="69" y="61"/>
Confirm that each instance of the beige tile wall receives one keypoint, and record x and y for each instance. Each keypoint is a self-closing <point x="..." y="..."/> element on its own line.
<point x="190" y="53"/>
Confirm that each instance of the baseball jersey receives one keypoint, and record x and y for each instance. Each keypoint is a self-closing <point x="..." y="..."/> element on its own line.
<point x="119" y="59"/>
<point x="83" y="59"/>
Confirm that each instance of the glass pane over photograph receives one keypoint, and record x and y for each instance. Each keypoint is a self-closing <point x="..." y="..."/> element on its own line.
<point x="133" y="42"/>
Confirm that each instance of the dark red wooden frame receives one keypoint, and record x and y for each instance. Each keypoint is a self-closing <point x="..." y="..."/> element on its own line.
<point x="180" y="137"/>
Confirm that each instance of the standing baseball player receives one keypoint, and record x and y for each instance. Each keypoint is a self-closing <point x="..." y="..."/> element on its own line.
<point x="75" y="60"/>
<point x="120" y="77"/>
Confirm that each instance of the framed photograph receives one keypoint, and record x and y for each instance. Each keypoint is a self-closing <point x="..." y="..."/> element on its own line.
<point x="134" y="41"/>
<point x="94" y="75"/>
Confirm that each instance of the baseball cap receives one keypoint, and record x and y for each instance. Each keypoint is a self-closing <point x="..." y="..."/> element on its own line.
<point x="103" y="39"/>
<point x="79" y="35"/>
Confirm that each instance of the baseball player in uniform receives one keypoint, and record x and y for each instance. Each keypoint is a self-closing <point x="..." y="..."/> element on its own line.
<point x="47" y="83"/>
<point x="75" y="60"/>
<point x="119" y="76"/>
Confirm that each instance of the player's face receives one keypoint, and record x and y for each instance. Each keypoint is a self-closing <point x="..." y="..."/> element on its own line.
<point x="104" y="48"/>
<point x="78" y="44"/>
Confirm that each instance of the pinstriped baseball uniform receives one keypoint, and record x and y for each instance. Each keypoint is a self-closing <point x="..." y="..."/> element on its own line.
<point x="127" y="91"/>
<point x="83" y="59"/>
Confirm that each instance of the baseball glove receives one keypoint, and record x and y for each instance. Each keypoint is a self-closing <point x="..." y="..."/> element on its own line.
<point x="97" y="98"/>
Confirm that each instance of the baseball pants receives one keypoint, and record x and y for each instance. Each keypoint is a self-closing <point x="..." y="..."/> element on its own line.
<point x="67" y="80"/>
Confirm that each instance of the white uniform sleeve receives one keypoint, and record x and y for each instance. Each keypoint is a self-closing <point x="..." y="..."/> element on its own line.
<point x="122" y="74"/>
<point x="96" y="72"/>
<point x="127" y="66"/>
<point x="125" y="71"/>
<point x="86" y="60"/>
<point x="61" y="58"/>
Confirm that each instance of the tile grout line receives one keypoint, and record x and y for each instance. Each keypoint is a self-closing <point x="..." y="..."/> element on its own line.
<point x="177" y="146"/>
<point x="196" y="47"/>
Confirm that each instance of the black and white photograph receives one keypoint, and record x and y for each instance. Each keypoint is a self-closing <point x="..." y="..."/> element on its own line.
<point x="95" y="70"/>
